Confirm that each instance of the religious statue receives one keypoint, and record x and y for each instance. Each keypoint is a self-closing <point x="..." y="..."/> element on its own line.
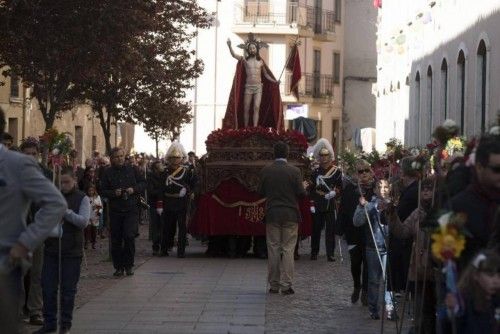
<point x="254" y="90"/>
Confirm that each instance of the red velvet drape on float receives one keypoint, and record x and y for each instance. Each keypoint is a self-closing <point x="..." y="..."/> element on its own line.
<point x="233" y="210"/>
<point x="271" y="108"/>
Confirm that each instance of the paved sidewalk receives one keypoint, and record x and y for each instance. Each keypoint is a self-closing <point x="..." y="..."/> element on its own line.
<point x="206" y="295"/>
<point x="192" y="295"/>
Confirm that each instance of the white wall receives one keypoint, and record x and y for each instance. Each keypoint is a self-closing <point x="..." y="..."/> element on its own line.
<point x="453" y="25"/>
<point x="360" y="60"/>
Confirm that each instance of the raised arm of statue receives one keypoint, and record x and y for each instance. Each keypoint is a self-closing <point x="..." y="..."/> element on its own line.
<point x="235" y="56"/>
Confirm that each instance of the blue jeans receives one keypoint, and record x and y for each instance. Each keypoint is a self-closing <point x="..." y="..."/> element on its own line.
<point x="69" y="279"/>
<point x="10" y="292"/>
<point x="374" y="280"/>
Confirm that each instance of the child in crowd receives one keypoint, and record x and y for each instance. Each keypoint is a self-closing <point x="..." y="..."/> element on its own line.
<point x="376" y="233"/>
<point x="479" y="288"/>
<point x="95" y="214"/>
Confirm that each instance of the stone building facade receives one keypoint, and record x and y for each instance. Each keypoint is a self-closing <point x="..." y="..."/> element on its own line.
<point x="24" y="119"/>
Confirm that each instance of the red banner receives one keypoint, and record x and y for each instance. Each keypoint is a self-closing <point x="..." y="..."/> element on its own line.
<point x="293" y="65"/>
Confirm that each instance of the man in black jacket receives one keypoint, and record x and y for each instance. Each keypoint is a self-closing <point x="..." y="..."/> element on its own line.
<point x="70" y="251"/>
<point x="480" y="201"/>
<point x="122" y="184"/>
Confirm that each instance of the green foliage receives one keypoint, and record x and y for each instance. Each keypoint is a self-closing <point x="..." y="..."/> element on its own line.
<point x="347" y="160"/>
<point x="129" y="58"/>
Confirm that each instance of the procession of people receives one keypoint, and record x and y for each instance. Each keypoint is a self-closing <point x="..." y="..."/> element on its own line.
<point x="421" y="225"/>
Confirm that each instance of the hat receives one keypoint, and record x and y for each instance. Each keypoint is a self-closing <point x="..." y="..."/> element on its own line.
<point x="323" y="146"/>
<point x="176" y="150"/>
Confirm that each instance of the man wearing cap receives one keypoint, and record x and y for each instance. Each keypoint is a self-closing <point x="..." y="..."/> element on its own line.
<point x="178" y="183"/>
<point x="324" y="190"/>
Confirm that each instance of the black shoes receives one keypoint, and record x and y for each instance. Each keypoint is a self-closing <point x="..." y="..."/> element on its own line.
<point x="355" y="295"/>
<point x="118" y="273"/>
<point x="374" y="316"/>
<point x="288" y="291"/>
<point x="36" y="320"/>
<point x="181" y="255"/>
<point x="330" y="258"/>
<point x="164" y="253"/>
<point x="314" y="257"/>
<point x="274" y="290"/>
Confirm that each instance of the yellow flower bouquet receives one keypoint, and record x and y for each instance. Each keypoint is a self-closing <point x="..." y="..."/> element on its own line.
<point x="449" y="241"/>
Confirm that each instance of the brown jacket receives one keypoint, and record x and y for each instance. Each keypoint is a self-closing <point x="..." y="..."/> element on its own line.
<point x="281" y="184"/>
<point x="409" y="228"/>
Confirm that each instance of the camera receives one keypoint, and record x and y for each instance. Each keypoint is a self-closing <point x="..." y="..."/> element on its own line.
<point x="125" y="194"/>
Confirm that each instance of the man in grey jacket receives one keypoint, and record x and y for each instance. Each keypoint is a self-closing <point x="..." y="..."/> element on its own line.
<point x="21" y="183"/>
<point x="282" y="185"/>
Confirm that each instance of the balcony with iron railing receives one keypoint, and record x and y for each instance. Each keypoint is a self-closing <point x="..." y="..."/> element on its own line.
<point x="296" y="19"/>
<point x="312" y="85"/>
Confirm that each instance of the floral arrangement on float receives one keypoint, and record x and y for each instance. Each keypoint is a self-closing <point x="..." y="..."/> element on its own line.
<point x="235" y="137"/>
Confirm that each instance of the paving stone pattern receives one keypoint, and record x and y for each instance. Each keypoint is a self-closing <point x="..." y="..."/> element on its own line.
<point x="206" y="295"/>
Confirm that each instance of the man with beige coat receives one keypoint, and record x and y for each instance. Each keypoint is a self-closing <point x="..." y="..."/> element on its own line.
<point x="281" y="183"/>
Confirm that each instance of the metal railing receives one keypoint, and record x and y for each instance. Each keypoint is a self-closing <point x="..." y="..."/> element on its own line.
<point x="312" y="85"/>
<point x="261" y="13"/>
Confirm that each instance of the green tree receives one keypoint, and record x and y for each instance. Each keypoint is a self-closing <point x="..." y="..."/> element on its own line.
<point x="152" y="72"/>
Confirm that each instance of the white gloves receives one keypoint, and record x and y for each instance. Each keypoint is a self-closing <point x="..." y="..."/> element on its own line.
<point x="330" y="195"/>
<point x="183" y="192"/>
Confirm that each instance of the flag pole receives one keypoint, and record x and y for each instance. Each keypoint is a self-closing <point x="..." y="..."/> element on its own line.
<point x="295" y="43"/>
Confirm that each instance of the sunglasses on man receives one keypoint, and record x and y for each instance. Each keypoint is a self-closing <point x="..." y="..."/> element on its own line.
<point x="361" y="171"/>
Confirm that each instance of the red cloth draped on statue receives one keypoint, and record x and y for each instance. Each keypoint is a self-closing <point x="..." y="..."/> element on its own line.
<point x="271" y="108"/>
<point x="233" y="210"/>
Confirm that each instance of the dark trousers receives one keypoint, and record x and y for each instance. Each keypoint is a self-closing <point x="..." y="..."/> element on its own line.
<point x="90" y="234"/>
<point x="359" y="269"/>
<point x="320" y="220"/>
<point x="399" y="261"/>
<point x="123" y="232"/>
<point x="70" y="274"/>
<point x="155" y="226"/>
<point x="10" y="292"/>
<point x="425" y="321"/>
<point x="174" y="219"/>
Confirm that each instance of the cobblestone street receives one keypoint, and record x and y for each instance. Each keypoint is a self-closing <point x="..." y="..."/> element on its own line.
<point x="216" y="295"/>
